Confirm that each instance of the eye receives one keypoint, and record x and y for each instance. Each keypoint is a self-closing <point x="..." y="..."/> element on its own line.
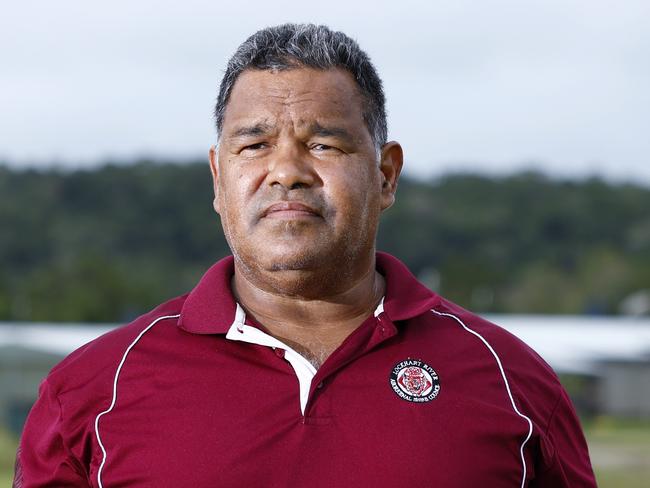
<point x="253" y="150"/>
<point x="322" y="147"/>
<point x="255" y="147"/>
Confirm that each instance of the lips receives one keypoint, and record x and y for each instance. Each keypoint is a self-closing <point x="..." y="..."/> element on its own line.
<point x="290" y="210"/>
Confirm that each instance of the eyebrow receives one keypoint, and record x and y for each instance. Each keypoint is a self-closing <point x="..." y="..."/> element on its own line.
<point x="251" y="130"/>
<point x="315" y="128"/>
<point x="323" y="131"/>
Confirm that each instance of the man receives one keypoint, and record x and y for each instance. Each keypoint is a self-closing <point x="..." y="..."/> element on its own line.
<point x="306" y="359"/>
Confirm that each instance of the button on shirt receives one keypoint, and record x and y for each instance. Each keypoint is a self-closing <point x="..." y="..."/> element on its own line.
<point x="196" y="394"/>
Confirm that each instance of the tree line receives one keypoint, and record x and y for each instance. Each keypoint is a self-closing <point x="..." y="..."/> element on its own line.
<point x="109" y="243"/>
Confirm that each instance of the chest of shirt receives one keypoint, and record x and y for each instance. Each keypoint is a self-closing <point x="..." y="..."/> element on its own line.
<point x="230" y="415"/>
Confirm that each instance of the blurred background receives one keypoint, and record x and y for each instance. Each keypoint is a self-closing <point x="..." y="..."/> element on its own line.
<point x="526" y="193"/>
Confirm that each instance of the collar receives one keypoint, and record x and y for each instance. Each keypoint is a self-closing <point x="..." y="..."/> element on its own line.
<point x="210" y="308"/>
<point x="405" y="296"/>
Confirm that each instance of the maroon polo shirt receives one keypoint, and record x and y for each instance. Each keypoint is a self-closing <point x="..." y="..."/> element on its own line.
<point x="195" y="394"/>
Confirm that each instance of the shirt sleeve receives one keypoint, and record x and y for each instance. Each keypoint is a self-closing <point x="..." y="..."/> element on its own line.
<point x="565" y="449"/>
<point x="43" y="459"/>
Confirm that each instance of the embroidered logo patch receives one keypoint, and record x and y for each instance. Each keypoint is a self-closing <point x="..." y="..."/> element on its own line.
<point x="414" y="381"/>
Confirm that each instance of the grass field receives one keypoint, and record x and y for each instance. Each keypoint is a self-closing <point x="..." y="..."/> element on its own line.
<point x="620" y="453"/>
<point x="7" y="453"/>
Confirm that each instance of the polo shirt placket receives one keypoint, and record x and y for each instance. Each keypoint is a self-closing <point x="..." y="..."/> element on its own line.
<point x="309" y="378"/>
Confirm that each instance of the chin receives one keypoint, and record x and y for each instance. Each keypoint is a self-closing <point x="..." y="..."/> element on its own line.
<point x="295" y="262"/>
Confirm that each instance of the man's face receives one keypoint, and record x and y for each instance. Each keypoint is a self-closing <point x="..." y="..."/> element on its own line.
<point x="298" y="183"/>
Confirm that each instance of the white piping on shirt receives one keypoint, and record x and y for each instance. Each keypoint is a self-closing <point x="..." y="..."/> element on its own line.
<point x="505" y="381"/>
<point x="117" y="374"/>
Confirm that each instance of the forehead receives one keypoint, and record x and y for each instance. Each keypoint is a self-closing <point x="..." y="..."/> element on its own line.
<point x="300" y="95"/>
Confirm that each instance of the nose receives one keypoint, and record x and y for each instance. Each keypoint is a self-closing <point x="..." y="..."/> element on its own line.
<point x="291" y="168"/>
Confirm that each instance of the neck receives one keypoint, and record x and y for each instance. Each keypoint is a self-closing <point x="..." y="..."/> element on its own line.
<point x="313" y="326"/>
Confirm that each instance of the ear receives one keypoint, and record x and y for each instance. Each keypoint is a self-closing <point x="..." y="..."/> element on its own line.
<point x="390" y="165"/>
<point x="214" y="169"/>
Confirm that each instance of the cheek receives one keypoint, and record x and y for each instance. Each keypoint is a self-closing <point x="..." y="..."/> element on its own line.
<point x="232" y="184"/>
<point x="229" y="199"/>
<point x="356" y="194"/>
<point x="238" y="196"/>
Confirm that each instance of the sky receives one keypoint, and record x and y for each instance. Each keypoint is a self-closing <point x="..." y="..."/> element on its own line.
<point x="489" y="86"/>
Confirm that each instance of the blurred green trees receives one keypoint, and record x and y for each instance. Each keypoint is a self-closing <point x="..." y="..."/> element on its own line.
<point x="109" y="243"/>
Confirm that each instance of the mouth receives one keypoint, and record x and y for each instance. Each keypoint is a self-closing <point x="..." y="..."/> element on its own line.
<point x="290" y="210"/>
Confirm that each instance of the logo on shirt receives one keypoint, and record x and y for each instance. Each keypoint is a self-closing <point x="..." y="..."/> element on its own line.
<point x="414" y="381"/>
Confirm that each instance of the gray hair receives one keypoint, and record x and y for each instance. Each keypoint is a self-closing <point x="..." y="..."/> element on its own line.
<point x="290" y="46"/>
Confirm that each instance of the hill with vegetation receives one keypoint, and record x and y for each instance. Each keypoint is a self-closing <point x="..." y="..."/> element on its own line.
<point x="109" y="243"/>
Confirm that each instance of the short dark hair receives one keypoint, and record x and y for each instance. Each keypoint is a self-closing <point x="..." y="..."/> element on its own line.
<point x="290" y="46"/>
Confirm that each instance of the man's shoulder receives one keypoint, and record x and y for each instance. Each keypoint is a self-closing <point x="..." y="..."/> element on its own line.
<point x="97" y="360"/>
<point x="502" y="344"/>
<point x="531" y="380"/>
